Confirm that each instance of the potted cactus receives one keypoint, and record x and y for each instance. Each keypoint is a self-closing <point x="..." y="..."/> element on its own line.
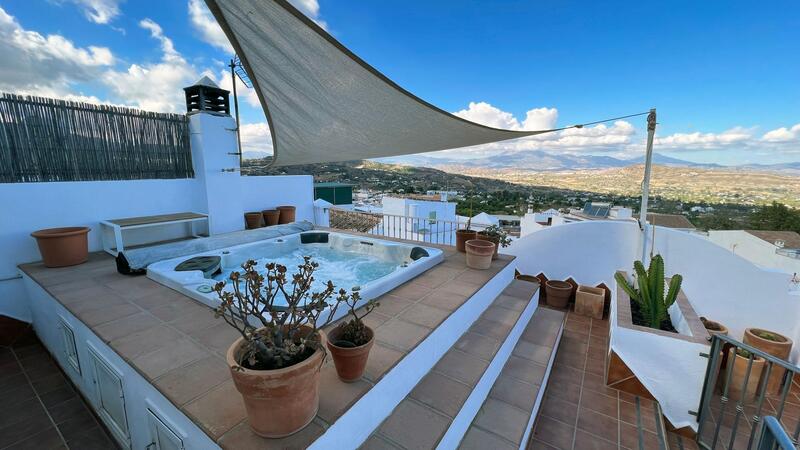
<point x="497" y="235"/>
<point x="351" y="341"/>
<point x="276" y="362"/>
<point x="647" y="292"/>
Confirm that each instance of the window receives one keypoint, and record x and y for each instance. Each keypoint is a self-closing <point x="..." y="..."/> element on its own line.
<point x="110" y="398"/>
<point x="161" y="435"/>
<point x="70" y="349"/>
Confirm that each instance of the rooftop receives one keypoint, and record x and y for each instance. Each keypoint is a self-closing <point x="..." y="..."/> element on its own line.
<point x="791" y="239"/>
<point x="670" y="221"/>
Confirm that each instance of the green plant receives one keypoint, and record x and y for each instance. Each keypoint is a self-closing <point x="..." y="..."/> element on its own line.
<point x="278" y="317"/>
<point x="648" y="292"/>
<point x="497" y="235"/>
<point x="763" y="334"/>
<point x="354" y="331"/>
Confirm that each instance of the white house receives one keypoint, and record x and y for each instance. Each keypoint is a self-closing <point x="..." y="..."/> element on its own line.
<point x="419" y="218"/>
<point x="777" y="250"/>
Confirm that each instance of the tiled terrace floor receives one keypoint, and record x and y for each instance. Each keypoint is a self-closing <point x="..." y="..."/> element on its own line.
<point x="579" y="411"/>
<point x="177" y="344"/>
<point x="41" y="409"/>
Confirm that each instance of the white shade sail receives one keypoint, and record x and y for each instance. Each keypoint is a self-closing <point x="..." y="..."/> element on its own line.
<point x="324" y="103"/>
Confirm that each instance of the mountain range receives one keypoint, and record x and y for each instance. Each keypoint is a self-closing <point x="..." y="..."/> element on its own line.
<point x="542" y="161"/>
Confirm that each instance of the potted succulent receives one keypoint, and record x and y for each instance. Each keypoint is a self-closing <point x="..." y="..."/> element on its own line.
<point x="351" y="341"/>
<point x="479" y="253"/>
<point x="774" y="344"/>
<point x="464" y="235"/>
<point x="276" y="362"/>
<point x="558" y="293"/>
<point x="61" y="247"/>
<point x="647" y="293"/>
<point x="497" y="235"/>
<point x="738" y="363"/>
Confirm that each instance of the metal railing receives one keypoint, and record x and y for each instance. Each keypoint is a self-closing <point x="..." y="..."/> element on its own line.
<point x="423" y="229"/>
<point x="742" y="386"/>
<point x="773" y="436"/>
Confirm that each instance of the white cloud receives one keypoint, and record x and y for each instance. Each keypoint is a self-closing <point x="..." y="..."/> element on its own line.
<point x="243" y="92"/>
<point x="486" y="114"/>
<point x="45" y="65"/>
<point x="782" y="134"/>
<point x="697" y="140"/>
<point x="256" y="138"/>
<point x="99" y="11"/>
<point x="156" y="86"/>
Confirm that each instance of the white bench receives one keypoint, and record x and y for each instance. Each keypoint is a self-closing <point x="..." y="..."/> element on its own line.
<point x="112" y="231"/>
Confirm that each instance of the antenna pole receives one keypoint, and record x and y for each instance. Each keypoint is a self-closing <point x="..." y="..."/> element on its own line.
<point x="236" y="110"/>
<point x="648" y="166"/>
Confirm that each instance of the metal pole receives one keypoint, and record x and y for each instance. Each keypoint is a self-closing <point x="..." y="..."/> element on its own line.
<point x="648" y="165"/>
<point x="236" y="109"/>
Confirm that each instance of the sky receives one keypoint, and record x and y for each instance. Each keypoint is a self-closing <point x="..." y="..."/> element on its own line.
<point x="724" y="77"/>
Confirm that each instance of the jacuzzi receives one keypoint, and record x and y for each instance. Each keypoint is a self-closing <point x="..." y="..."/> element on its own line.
<point x="375" y="266"/>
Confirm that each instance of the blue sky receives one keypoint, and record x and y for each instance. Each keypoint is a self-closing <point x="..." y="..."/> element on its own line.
<point x="723" y="77"/>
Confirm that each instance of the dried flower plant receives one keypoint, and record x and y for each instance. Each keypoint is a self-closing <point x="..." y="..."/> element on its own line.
<point x="278" y="316"/>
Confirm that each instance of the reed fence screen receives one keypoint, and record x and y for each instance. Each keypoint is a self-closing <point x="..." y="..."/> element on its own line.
<point x="45" y="139"/>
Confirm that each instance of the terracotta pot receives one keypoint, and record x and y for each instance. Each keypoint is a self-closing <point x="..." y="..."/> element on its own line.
<point x="61" y="247"/>
<point x="270" y="217"/>
<point x="253" y="220"/>
<point x="287" y="214"/>
<point x="558" y="293"/>
<point x="781" y="347"/>
<point x="479" y="253"/>
<point x="278" y="402"/>
<point x="491" y="239"/>
<point x="350" y="361"/>
<point x="590" y="301"/>
<point x="739" y="364"/>
<point x="714" y="327"/>
<point x="462" y="236"/>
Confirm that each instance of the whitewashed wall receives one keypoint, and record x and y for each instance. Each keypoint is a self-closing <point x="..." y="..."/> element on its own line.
<point x="259" y="193"/>
<point x="755" y="250"/>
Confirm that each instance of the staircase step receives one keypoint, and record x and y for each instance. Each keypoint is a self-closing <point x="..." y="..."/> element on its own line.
<point x="462" y="378"/>
<point x="506" y="417"/>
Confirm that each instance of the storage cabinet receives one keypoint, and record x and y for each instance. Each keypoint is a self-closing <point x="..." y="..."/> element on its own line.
<point x="70" y="349"/>
<point x="110" y="398"/>
<point x="161" y="435"/>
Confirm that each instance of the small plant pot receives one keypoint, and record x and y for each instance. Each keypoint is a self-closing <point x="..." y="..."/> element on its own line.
<point x="279" y="402"/>
<point x="350" y="360"/>
<point x="714" y="327"/>
<point x="271" y="217"/>
<point x="479" y="253"/>
<point x="61" y="247"/>
<point x="491" y="239"/>
<point x="287" y="214"/>
<point x="590" y="301"/>
<point x="558" y="293"/>
<point x="738" y="364"/>
<point x="462" y="236"/>
<point x="774" y="344"/>
<point x="253" y="220"/>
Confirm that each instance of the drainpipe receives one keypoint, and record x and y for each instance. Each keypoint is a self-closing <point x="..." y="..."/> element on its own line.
<point x="648" y="165"/>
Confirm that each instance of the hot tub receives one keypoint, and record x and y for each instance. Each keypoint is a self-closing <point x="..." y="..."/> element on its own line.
<point x="375" y="266"/>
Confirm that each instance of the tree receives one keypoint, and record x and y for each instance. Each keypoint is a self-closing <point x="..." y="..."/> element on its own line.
<point x="776" y="217"/>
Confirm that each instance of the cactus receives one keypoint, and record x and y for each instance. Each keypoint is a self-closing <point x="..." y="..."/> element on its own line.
<point x="648" y="291"/>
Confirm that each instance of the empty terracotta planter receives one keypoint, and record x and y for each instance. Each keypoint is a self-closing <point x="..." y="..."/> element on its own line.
<point x="491" y="239"/>
<point x="558" y="293"/>
<point x="279" y="402"/>
<point x="462" y="236"/>
<point x="287" y="214"/>
<point x="479" y="253"/>
<point x="350" y="361"/>
<point x="61" y="247"/>
<point x="253" y="220"/>
<point x="590" y="301"/>
<point x="271" y="217"/>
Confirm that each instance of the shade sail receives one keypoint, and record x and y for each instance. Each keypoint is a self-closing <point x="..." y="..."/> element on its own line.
<point x="325" y="104"/>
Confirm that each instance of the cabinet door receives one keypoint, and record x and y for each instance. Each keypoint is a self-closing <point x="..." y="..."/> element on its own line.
<point x="70" y="349"/>
<point x="162" y="437"/>
<point x="110" y="398"/>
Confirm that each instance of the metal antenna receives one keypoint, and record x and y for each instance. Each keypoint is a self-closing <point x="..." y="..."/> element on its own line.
<point x="237" y="71"/>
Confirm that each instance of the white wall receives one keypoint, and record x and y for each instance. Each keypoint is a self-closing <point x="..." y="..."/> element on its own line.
<point x="755" y="250"/>
<point x="259" y="193"/>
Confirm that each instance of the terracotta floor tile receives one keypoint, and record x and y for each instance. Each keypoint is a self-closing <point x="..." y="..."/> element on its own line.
<point x="336" y="396"/>
<point x="126" y="326"/>
<point x="241" y="437"/>
<point x="533" y="352"/>
<point x="145" y="342"/>
<point x="45" y="437"/>
<point x="377" y="442"/>
<point x="566" y="391"/>
<point x="381" y="359"/>
<point x="445" y="300"/>
<point x="511" y="302"/>
<point x="559" y="409"/>
<point x="478" y="345"/>
<point x="575" y="360"/>
<point x="536" y="444"/>
<point x="218" y="338"/>
<point x="376" y="319"/>
<point x="586" y="441"/>
<point x="188" y="382"/>
<point x="627" y="413"/>
<point x="218" y="410"/>
<point x="599" y="403"/>
<point x="524" y="370"/>
<point x="597" y="424"/>
<point x="424" y="315"/>
<point x="58" y="396"/>
<point x="392" y="305"/>
<point x="504" y="316"/>
<point x="441" y="393"/>
<point x="629" y="437"/>
<point x="459" y="287"/>
<point x="462" y="366"/>
<point x="411" y="291"/>
<point x="197" y="319"/>
<point x="502" y="419"/>
<point x="437" y="276"/>
<point x="595" y="383"/>
<point x="555" y="433"/>
<point x="401" y="334"/>
<point x="103" y="314"/>
<point x="522" y="290"/>
<point x="414" y="426"/>
<point x="478" y="439"/>
<point x="19" y="430"/>
<point x="93" y="439"/>
<point x="177" y="354"/>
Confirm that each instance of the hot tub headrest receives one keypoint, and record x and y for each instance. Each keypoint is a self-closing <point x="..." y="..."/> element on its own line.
<point x="314" y="237"/>
<point x="135" y="261"/>
<point x="418" y="252"/>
